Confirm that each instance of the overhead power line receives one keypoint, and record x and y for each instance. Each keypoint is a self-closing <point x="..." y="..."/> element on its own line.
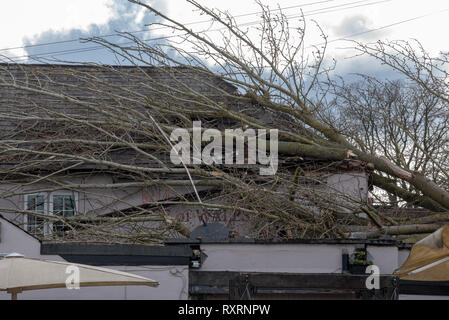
<point x="157" y="28"/>
<point x="99" y="47"/>
<point x="389" y="25"/>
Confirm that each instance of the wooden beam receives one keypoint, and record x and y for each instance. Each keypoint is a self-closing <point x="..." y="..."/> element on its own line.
<point x="238" y="284"/>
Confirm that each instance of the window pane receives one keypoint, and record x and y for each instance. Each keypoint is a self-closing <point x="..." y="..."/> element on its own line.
<point x="35" y="225"/>
<point x="36" y="203"/>
<point x="69" y="206"/>
<point x="64" y="205"/>
<point x="58" y="205"/>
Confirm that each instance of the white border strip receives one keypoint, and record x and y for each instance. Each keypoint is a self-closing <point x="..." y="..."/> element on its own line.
<point x="428" y="266"/>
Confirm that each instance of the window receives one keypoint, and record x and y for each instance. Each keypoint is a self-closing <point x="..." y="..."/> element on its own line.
<point x="38" y="204"/>
<point x="62" y="203"/>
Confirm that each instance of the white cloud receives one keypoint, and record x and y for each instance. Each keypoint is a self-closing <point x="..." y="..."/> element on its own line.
<point x="25" y="18"/>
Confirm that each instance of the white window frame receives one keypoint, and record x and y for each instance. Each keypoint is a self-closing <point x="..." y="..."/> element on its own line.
<point x="25" y="206"/>
<point x="48" y="206"/>
<point x="61" y="193"/>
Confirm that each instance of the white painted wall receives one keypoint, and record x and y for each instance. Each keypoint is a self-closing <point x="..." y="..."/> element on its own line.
<point x="385" y="257"/>
<point x="354" y="184"/>
<point x="14" y="239"/>
<point x="104" y="200"/>
<point x="294" y="258"/>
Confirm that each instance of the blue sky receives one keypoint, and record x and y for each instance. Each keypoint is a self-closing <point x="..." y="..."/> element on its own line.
<point x="47" y="21"/>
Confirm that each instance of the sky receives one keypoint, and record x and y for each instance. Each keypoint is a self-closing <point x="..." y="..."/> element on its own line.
<point x="29" y="26"/>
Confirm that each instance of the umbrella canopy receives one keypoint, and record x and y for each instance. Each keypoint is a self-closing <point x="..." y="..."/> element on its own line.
<point x="428" y="259"/>
<point x="18" y="274"/>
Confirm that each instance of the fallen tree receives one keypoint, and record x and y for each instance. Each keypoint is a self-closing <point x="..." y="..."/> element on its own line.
<point x="259" y="79"/>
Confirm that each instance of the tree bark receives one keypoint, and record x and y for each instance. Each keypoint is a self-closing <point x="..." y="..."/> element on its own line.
<point x="409" y="197"/>
<point x="404" y="229"/>
<point x="430" y="189"/>
<point x="313" y="151"/>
